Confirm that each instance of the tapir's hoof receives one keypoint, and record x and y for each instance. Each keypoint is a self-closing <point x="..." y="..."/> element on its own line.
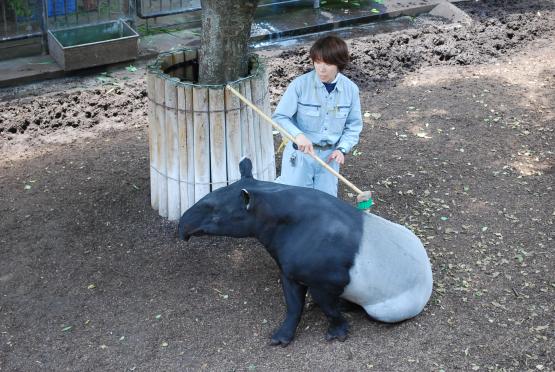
<point x="280" y="338"/>
<point x="330" y="337"/>
<point x="338" y="332"/>
<point x="276" y="342"/>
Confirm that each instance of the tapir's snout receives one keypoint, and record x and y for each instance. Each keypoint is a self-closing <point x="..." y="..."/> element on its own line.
<point x="187" y="230"/>
<point x="182" y="231"/>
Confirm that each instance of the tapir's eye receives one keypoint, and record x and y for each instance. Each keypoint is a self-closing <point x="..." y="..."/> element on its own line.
<point x="209" y="207"/>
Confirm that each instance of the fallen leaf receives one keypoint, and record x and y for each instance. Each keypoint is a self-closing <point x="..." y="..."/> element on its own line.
<point x="423" y="135"/>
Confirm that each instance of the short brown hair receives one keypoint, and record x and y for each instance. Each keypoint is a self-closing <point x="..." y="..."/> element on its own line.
<point x="331" y="50"/>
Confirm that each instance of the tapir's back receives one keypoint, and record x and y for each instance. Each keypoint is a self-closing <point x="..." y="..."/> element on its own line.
<point x="391" y="276"/>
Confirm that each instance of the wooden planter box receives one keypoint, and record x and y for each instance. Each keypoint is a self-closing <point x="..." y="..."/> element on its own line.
<point x="198" y="134"/>
<point x="93" y="45"/>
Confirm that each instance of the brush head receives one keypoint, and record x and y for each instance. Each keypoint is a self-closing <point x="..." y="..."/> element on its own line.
<point x="366" y="204"/>
<point x="364" y="200"/>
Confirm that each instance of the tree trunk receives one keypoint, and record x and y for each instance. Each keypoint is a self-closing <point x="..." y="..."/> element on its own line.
<point x="226" y="28"/>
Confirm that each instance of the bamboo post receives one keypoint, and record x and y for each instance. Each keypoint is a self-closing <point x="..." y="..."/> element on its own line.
<point x="247" y="129"/>
<point x="190" y="146"/>
<point x="183" y="136"/>
<point x="152" y="139"/>
<point x="256" y="94"/>
<point x="172" y="137"/>
<point x="201" y="142"/>
<point x="178" y="59"/>
<point x="260" y="130"/>
<point x="218" y="164"/>
<point x="190" y="56"/>
<point x="267" y="141"/>
<point x="162" y="155"/>
<point x="233" y="136"/>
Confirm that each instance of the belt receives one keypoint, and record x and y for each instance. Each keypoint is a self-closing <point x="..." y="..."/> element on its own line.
<point x="319" y="147"/>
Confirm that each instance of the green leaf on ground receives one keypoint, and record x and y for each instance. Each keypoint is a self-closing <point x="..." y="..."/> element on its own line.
<point x="375" y="11"/>
<point x="356" y="152"/>
<point x="68" y="328"/>
<point x="131" y="68"/>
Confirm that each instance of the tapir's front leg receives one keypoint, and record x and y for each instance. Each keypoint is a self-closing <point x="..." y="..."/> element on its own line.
<point x="295" y="294"/>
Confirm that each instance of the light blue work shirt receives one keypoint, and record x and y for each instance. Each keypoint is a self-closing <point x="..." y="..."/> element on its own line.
<point x="324" y="118"/>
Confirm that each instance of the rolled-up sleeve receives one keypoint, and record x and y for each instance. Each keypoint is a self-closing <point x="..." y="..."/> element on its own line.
<point x="286" y="110"/>
<point x="353" y="124"/>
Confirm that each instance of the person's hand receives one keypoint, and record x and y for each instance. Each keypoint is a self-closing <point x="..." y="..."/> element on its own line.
<point x="304" y="144"/>
<point x="337" y="156"/>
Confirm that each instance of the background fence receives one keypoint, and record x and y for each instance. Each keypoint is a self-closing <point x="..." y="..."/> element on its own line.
<point x="24" y="23"/>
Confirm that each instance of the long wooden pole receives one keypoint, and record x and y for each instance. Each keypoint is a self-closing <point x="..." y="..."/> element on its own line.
<point x="290" y="137"/>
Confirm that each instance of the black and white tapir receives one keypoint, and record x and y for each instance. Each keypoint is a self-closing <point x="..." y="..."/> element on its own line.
<point x="323" y="245"/>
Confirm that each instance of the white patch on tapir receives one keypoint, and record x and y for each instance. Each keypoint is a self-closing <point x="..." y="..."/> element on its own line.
<point x="391" y="276"/>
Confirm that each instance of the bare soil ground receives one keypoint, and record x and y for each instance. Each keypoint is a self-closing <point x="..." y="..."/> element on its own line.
<point x="458" y="145"/>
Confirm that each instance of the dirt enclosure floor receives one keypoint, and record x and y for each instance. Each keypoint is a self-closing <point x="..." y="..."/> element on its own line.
<point x="458" y="146"/>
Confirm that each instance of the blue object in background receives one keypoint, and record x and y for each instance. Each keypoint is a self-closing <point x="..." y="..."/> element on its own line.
<point x="61" y="7"/>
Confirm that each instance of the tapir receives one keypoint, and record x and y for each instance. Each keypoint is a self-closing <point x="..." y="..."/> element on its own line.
<point x="321" y="244"/>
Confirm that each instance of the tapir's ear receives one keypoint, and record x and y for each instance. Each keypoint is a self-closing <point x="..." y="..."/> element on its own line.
<point x="245" y="166"/>
<point x="246" y="199"/>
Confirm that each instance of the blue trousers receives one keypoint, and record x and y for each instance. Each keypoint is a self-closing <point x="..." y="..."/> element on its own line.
<point x="299" y="169"/>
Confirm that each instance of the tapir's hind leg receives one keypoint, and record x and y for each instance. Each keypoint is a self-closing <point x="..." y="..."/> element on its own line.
<point x="330" y="305"/>
<point x="394" y="310"/>
<point x="295" y="294"/>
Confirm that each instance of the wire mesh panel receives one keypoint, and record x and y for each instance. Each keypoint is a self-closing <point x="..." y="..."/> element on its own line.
<point x="157" y="8"/>
<point x="67" y="13"/>
<point x="20" y="17"/>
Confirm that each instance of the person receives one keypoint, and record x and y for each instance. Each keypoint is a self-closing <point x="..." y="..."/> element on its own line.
<point x="321" y="110"/>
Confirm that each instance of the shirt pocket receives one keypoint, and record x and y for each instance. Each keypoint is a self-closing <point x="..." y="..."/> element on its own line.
<point x="339" y="119"/>
<point x="308" y="118"/>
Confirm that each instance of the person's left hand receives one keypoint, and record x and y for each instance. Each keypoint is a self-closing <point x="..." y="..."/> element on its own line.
<point x="337" y="156"/>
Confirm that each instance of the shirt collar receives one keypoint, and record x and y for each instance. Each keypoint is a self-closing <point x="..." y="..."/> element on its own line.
<point x="337" y="81"/>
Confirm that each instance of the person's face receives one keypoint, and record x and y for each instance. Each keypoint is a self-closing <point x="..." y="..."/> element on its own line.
<point x="325" y="72"/>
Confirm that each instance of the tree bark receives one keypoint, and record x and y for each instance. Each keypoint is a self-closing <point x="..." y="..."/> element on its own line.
<point x="226" y="29"/>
